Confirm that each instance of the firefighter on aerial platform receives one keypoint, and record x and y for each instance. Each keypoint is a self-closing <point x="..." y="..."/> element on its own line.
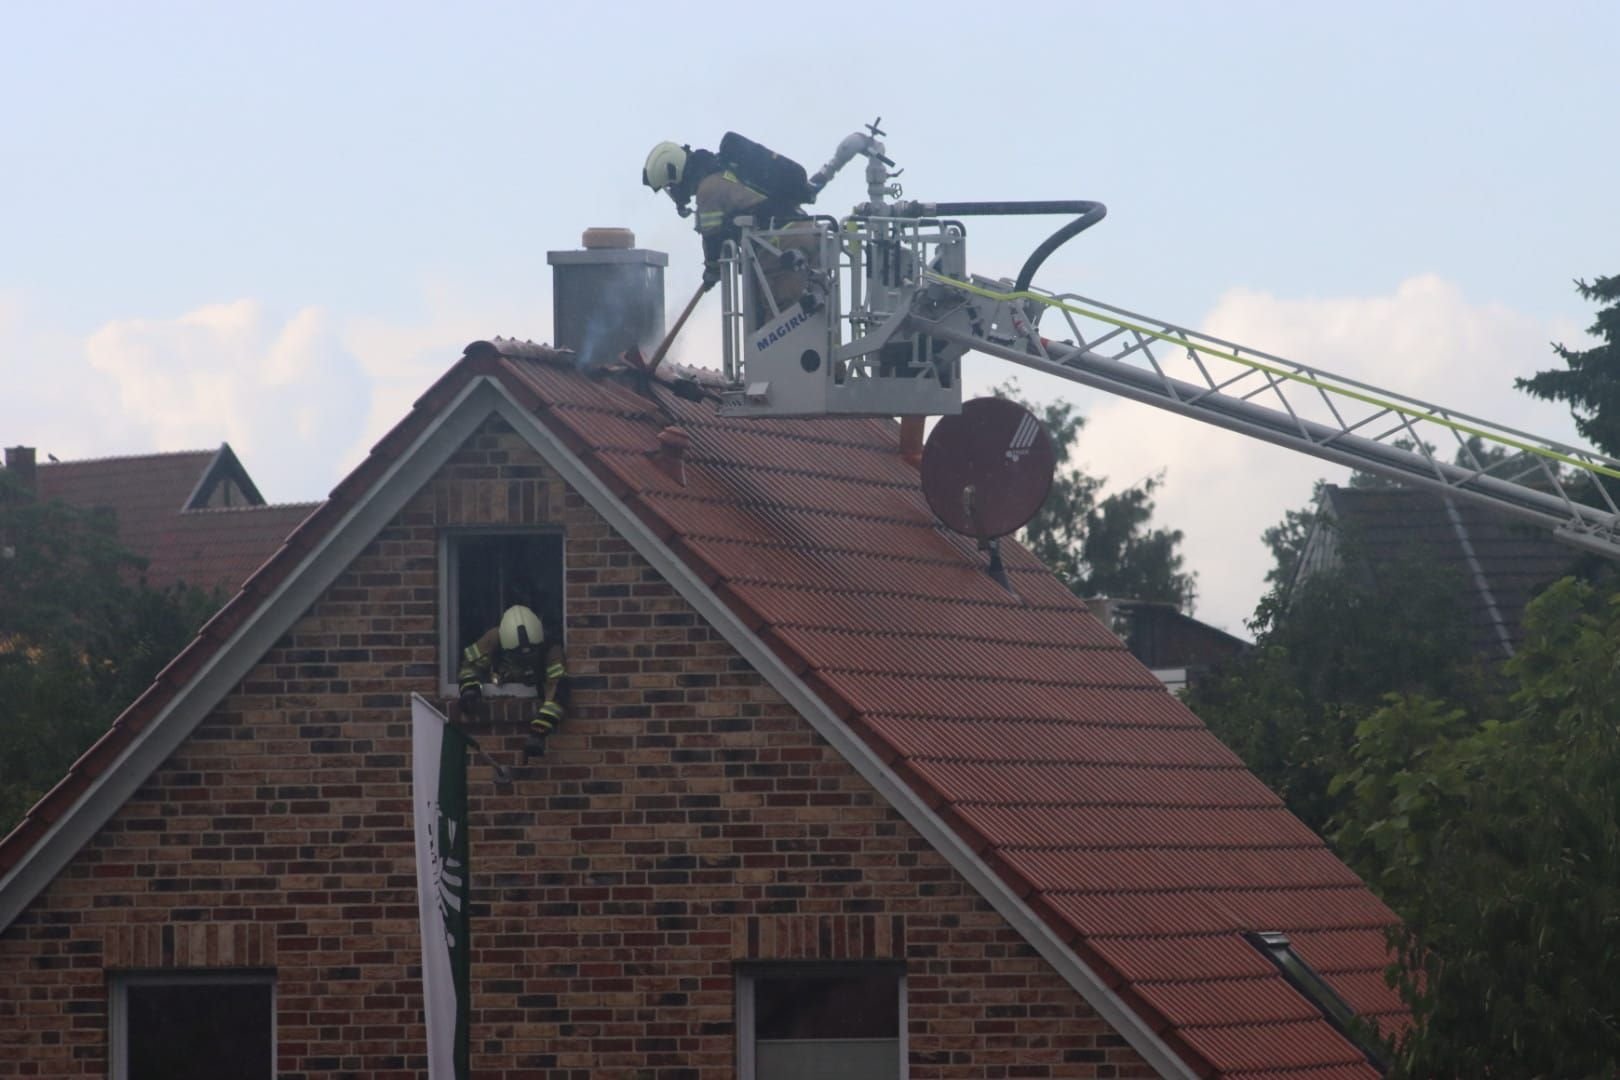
<point x="763" y="185"/>
<point x="517" y="651"/>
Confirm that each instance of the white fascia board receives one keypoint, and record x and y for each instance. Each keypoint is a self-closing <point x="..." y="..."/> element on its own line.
<point x="246" y="647"/>
<point x="897" y="792"/>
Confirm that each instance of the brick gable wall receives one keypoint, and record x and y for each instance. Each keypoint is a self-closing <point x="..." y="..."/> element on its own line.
<point x="686" y="819"/>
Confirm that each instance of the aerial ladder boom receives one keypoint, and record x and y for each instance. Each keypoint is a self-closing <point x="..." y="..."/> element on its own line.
<point x="889" y="310"/>
<point x="1293" y="405"/>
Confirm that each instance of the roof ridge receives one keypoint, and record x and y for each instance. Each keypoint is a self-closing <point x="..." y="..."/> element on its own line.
<point x="47" y="464"/>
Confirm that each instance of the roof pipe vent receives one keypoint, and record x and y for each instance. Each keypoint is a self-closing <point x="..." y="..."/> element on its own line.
<point x="670" y="457"/>
<point x="911" y="440"/>
<point x="607" y="297"/>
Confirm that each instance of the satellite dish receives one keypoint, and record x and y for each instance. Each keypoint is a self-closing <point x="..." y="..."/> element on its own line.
<point x="987" y="470"/>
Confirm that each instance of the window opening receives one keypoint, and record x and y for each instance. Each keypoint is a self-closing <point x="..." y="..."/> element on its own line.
<point x="193" y="1026"/>
<point x="486" y="572"/>
<point x="1280" y="951"/>
<point x="799" y="1021"/>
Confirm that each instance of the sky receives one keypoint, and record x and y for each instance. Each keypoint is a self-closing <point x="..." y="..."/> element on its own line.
<point x="275" y="225"/>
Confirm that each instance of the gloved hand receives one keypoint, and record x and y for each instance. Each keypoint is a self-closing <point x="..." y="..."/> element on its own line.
<point x="472" y="696"/>
<point x="535" y="745"/>
<point x="711" y="275"/>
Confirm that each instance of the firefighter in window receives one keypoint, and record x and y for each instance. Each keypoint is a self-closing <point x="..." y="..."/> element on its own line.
<point x="743" y="178"/>
<point x="516" y="651"/>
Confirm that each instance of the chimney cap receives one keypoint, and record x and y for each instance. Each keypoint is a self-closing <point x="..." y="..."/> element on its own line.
<point x="604" y="238"/>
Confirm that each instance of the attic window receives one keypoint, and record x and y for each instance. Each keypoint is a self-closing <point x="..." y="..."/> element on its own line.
<point x="485" y="572"/>
<point x="1280" y="951"/>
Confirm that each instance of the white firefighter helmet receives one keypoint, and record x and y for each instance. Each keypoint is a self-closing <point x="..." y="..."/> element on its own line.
<point x="520" y="628"/>
<point x="664" y="166"/>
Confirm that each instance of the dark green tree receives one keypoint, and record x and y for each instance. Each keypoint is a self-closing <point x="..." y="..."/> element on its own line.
<point x="1326" y="654"/>
<point x="1286" y="539"/>
<point x="1498" y="842"/>
<point x="1589" y="382"/>
<point x="1101" y="545"/>
<point x="79" y="638"/>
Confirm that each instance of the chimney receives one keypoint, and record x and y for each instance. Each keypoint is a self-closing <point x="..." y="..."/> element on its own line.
<point x="20" y="467"/>
<point x="608" y="297"/>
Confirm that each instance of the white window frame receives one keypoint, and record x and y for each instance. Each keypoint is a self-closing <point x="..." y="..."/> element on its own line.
<point x="120" y="982"/>
<point x="449" y="599"/>
<point x="746" y="975"/>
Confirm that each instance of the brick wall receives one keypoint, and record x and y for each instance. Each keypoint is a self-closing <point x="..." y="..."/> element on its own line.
<point x="685" y="819"/>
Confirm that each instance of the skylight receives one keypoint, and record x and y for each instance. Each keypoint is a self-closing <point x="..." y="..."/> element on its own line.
<point x="1280" y="951"/>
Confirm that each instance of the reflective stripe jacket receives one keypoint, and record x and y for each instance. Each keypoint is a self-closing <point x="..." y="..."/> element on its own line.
<point x="720" y="196"/>
<point x="545" y="670"/>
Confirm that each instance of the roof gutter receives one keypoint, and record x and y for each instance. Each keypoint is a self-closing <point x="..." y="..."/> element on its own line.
<point x="899" y="794"/>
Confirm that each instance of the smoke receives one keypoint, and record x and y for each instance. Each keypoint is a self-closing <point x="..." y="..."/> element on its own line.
<point x="610" y="325"/>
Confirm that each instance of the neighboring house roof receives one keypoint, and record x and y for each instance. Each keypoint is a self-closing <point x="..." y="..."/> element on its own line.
<point x="194" y="515"/>
<point x="1500" y="561"/>
<point x="1015" y="732"/>
<point x="1163" y="637"/>
<point x="218" y="549"/>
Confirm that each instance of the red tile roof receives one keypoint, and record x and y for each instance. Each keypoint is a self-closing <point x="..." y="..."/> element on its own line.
<point x="168" y="514"/>
<point x="1016" y="714"/>
<point x="218" y="549"/>
<point x="1140" y="841"/>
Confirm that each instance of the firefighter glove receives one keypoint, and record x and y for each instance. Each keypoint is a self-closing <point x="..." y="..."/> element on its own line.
<point x="711" y="275"/>
<point x="535" y="745"/>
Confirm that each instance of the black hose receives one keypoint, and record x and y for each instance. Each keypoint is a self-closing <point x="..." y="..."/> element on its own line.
<point x="1090" y="213"/>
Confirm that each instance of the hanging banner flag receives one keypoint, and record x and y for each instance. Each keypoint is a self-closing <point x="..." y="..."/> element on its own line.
<point x="439" y="799"/>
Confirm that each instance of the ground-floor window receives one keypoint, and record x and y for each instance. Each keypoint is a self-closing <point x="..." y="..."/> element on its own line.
<point x="804" y="1021"/>
<point x="193" y="1025"/>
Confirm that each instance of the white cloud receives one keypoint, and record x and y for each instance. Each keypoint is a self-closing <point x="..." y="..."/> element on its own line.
<point x="281" y="392"/>
<point x="402" y="359"/>
<point x="1223" y="489"/>
<point x="301" y="398"/>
